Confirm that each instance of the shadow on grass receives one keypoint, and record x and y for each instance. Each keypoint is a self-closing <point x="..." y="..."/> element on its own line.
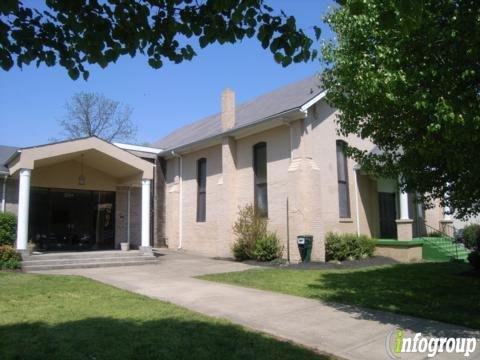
<point x="106" y="338"/>
<point x="430" y="290"/>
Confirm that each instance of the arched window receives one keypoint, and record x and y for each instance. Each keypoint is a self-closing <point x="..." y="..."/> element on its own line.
<point x="260" y="177"/>
<point x="201" y="190"/>
<point x="342" y="173"/>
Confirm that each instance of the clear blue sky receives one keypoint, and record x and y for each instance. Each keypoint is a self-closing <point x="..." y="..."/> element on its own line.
<point x="32" y="100"/>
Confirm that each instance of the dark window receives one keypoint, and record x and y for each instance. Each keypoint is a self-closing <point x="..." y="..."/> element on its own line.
<point x="342" y="172"/>
<point x="260" y="177"/>
<point x="202" y="189"/>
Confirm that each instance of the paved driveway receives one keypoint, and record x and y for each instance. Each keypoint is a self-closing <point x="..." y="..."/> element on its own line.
<point x="345" y="331"/>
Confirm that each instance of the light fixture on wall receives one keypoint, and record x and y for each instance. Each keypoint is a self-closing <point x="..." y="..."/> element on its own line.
<point x="81" y="178"/>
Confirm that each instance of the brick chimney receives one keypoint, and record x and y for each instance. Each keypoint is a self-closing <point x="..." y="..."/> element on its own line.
<point x="228" y="109"/>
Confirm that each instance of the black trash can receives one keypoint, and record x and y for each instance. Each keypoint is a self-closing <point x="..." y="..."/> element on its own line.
<point x="305" y="243"/>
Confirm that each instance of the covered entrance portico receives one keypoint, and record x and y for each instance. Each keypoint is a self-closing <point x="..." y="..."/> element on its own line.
<point x="67" y="198"/>
<point x="390" y="212"/>
<point x="70" y="219"/>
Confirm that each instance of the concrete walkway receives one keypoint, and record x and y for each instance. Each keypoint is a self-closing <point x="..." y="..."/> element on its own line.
<point x="344" y="331"/>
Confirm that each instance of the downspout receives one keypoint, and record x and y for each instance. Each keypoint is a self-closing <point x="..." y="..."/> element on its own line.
<point x="180" y="198"/>
<point x="128" y="214"/>
<point x="4" y="192"/>
<point x="357" y="211"/>
<point x="287" y="123"/>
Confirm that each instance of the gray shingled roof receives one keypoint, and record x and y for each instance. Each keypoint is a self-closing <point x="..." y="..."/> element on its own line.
<point x="5" y="153"/>
<point x="287" y="98"/>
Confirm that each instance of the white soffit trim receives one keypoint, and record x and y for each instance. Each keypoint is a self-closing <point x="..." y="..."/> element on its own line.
<point x="313" y="101"/>
<point x="146" y="149"/>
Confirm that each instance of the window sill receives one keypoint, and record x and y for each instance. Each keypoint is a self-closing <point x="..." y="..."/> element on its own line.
<point x="345" y="220"/>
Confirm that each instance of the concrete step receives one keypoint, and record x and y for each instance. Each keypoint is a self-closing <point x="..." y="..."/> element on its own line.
<point x="83" y="255"/>
<point x="90" y="259"/>
<point x="86" y="260"/>
<point x="453" y="250"/>
<point x="449" y="249"/>
<point x="449" y="246"/>
<point x="29" y="268"/>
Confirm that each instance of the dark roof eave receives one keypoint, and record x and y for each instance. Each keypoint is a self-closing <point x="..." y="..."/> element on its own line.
<point x="183" y="147"/>
<point x="13" y="156"/>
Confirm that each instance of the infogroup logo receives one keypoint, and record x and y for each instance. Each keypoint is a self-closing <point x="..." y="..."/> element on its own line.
<point x="400" y="342"/>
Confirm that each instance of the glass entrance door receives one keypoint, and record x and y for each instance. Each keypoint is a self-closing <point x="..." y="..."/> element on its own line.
<point x="71" y="219"/>
<point x="388" y="214"/>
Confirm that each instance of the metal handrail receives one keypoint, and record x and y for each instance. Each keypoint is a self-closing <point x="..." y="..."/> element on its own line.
<point x="442" y="239"/>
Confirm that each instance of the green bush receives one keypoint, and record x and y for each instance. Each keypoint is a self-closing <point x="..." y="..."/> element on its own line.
<point x="8" y="226"/>
<point x="9" y="258"/>
<point x="241" y="250"/>
<point x="348" y="246"/>
<point x="367" y="246"/>
<point x="249" y="227"/>
<point x="471" y="235"/>
<point x="267" y="248"/>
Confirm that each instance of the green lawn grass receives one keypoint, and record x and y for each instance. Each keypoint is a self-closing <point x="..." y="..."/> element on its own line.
<point x="68" y="317"/>
<point x="438" y="291"/>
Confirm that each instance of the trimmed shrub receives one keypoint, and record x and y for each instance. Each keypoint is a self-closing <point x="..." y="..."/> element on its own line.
<point x="471" y="235"/>
<point x="267" y="248"/>
<point x="8" y="226"/>
<point x="241" y="250"/>
<point x="9" y="258"/>
<point x="348" y="246"/>
<point x="367" y="246"/>
<point x="249" y="227"/>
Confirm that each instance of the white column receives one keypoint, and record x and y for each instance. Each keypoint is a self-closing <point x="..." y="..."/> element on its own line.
<point x="404" y="206"/>
<point x="403" y="203"/>
<point x="146" y="213"/>
<point x="23" y="206"/>
<point x="446" y="209"/>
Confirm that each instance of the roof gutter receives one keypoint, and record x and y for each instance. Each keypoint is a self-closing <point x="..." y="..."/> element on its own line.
<point x="146" y="149"/>
<point x="313" y="101"/>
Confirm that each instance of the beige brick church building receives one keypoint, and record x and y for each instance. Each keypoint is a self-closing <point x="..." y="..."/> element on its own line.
<point x="279" y="151"/>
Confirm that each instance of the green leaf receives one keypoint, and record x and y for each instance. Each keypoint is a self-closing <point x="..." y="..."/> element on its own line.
<point x="287" y="60"/>
<point x="278" y="56"/>
<point x="155" y="63"/>
<point x="203" y="41"/>
<point x="73" y="73"/>
<point x="50" y="58"/>
<point x="6" y="62"/>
